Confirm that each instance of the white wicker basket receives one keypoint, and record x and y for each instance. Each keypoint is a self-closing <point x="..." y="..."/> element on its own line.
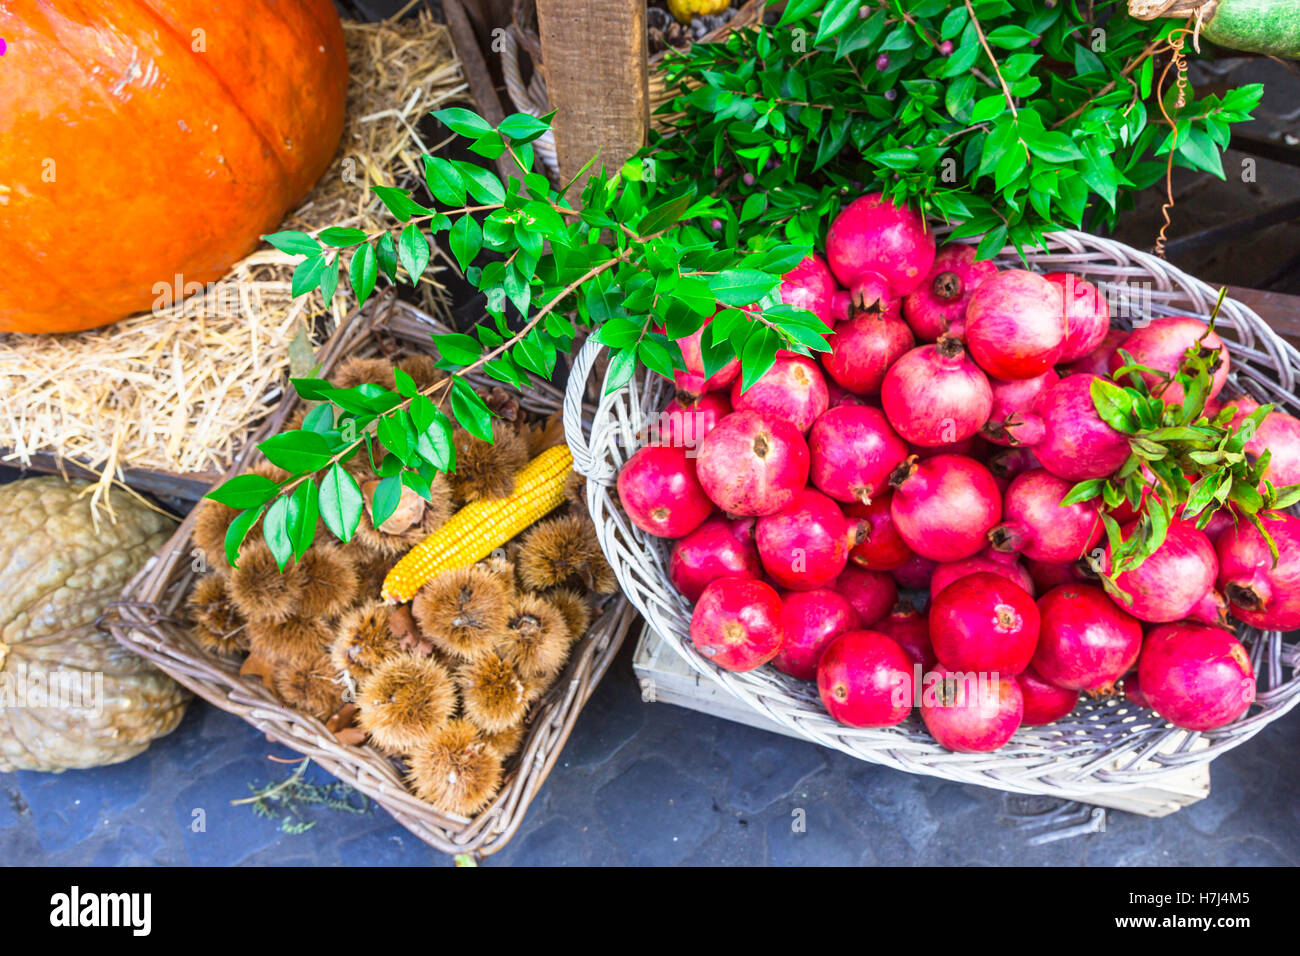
<point x="1103" y="746"/>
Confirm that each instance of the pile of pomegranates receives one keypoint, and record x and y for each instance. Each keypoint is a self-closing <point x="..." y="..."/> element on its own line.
<point x="930" y="451"/>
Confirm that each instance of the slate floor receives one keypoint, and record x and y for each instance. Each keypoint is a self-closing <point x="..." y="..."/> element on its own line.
<point x="647" y="784"/>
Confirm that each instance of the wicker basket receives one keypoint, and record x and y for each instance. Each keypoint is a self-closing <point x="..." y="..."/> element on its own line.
<point x="1103" y="746"/>
<point x="146" y="620"/>
<point x="522" y="40"/>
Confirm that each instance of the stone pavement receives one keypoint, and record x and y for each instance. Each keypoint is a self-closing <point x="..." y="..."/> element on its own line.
<point x="640" y="784"/>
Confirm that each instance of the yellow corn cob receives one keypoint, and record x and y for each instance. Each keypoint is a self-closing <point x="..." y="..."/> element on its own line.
<point x="476" y="530"/>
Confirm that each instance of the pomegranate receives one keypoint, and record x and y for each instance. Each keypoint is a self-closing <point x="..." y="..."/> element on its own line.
<point x="864" y="347"/>
<point x="1036" y="524"/>
<point x="965" y="447"/>
<point x="1097" y="362"/>
<point x="1004" y="565"/>
<point x="810" y="620"/>
<point x="971" y="713"/>
<point x="793" y="389"/>
<point x="983" y="622"/>
<point x="915" y="574"/>
<point x="1010" y="462"/>
<point x="1259" y="593"/>
<point x="1045" y="703"/>
<point x="1087" y="316"/>
<point x="716" y="549"/>
<point x="660" y="492"/>
<point x="737" y="623"/>
<point x="1133" y="690"/>
<point x="685" y="424"/>
<point x="810" y="285"/>
<point x="865" y="680"/>
<point x="1280" y="434"/>
<point x="1015" y="325"/>
<point x="935" y="395"/>
<point x="1196" y="677"/>
<point x="945" y="506"/>
<point x="806" y="544"/>
<point x="938" y="305"/>
<point x="751" y="464"/>
<point x="1047" y="576"/>
<point x="853" y="451"/>
<point x="1076" y="443"/>
<point x="1162" y="343"/>
<point x="1212" y="610"/>
<point x="691" y="382"/>
<point x="879" y="547"/>
<point x="1173" y="580"/>
<point x="1011" y="420"/>
<point x="872" y="593"/>
<point x="1086" y="642"/>
<point x="911" y="630"/>
<point x="872" y="239"/>
<point x="841" y="306"/>
<point x="839" y="395"/>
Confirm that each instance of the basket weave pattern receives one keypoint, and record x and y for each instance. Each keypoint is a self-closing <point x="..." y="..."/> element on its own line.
<point x="148" y="620"/>
<point x="1109" y="745"/>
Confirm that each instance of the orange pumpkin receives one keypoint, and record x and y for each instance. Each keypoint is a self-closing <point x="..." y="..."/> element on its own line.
<point x="144" y="146"/>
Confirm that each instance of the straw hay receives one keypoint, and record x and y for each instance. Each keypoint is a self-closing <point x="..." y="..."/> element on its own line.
<point x="180" y="389"/>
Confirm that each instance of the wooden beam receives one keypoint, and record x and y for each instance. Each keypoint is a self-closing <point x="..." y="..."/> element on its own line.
<point x="476" y="73"/>
<point x="595" y="56"/>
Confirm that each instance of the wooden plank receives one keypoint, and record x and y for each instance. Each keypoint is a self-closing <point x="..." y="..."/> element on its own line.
<point x="1279" y="310"/>
<point x="666" y="679"/>
<point x="187" y="488"/>
<point x="476" y="72"/>
<point x="595" y="60"/>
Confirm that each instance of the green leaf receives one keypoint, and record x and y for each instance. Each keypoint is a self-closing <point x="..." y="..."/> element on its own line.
<point x="275" y="531"/>
<point x="320" y="419"/>
<point x="444" y="181"/>
<point x="294" y="243"/>
<point x="238" y="531"/>
<point x="341" y="237"/>
<point x="363" y="272"/>
<point x="522" y="128"/>
<point x="472" y="413"/>
<point x="387" y="496"/>
<point x="463" y="121"/>
<point x="399" y="202"/>
<point x="413" y="250"/>
<point x="836" y="15"/>
<point x="482" y="184"/>
<point x="340" y="503"/>
<point x="307" y="275"/>
<point x="245" y="491"/>
<point x="297" y="452"/>
<point x="1114" y="405"/>
<point x="457" y="348"/>
<point x="1084" y="491"/>
<point x="742" y="286"/>
<point x="302" y="517"/>
<point x="621" y="366"/>
<point x="466" y="239"/>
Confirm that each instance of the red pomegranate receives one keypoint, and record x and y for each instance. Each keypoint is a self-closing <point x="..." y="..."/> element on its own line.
<point x="811" y="620"/>
<point x="993" y="562"/>
<point x="1045" y="703"/>
<point x="737" y="623"/>
<point x="873" y="239"/>
<point x="810" y="285"/>
<point x="911" y="630"/>
<point x="865" y="680"/>
<point x="944" y="507"/>
<point x="719" y="548"/>
<point x="1262" y="594"/>
<point x="1173" y="580"/>
<point x="751" y="464"/>
<point x="983" y="622"/>
<point x="1196" y="677"/>
<point x="1036" y="524"/>
<point x="686" y="424"/>
<point x="1097" y="362"/>
<point x="879" y="547"/>
<point x="793" y="389"/>
<point x="1015" y="325"/>
<point x="971" y="713"/>
<point x="872" y="593"/>
<point x="915" y="573"/>
<point x="1047" y="576"/>
<point x="935" y="395"/>
<point x="1087" y="316"/>
<point x="1086" y="642"/>
<point x="1077" y="444"/>
<point x="853" y="451"/>
<point x="1279" y="433"/>
<point x="660" y="492"/>
<point x="691" y="383"/>
<point x="938" y="305"/>
<point x="806" y="544"/>
<point x="864" y="347"/>
<point x="1162" y="344"/>
<point x="1133" y="690"/>
<point x="1011" y="420"/>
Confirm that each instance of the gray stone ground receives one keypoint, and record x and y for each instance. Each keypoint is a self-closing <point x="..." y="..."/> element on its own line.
<point x="646" y="784"/>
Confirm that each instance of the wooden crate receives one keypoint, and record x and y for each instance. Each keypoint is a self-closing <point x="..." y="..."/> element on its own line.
<point x="667" y="679"/>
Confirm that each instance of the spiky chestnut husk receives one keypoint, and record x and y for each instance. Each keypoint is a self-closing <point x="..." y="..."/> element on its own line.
<point x="464" y="612"/>
<point x="372" y="567"/>
<point x="405" y="702"/>
<point x="493" y="695"/>
<point x="330" y="581"/>
<point x="537" y="639"/>
<point x="456" y="770"/>
<point x="575" y="609"/>
<point x="218" y="625"/>
<point x="292" y="641"/>
<point x="507" y="742"/>
<point x="423" y="369"/>
<point x="575" y="491"/>
<point x="363" y="641"/>
<point x="212" y="520"/>
<point x="260" y="590"/>
<point x="392" y="544"/>
<point x="310" y="687"/>
<point x="564" y="552"/>
<point x="486" y="470"/>
<point x="359" y="370"/>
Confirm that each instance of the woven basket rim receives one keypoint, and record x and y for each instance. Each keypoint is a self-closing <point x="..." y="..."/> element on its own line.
<point x="146" y="620"/>
<point x="1106" y="746"/>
